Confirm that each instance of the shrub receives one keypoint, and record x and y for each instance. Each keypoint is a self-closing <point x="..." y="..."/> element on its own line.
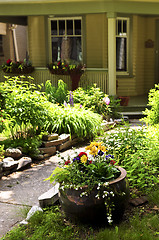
<point x="93" y="98"/>
<point x="29" y="145"/>
<point x="152" y="115"/>
<point x="26" y="106"/>
<point x="56" y="95"/>
<point x="74" y="120"/>
<point x="137" y="152"/>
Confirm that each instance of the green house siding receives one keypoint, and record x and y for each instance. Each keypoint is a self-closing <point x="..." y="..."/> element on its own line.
<point x="96" y="41"/>
<point x="37" y="40"/>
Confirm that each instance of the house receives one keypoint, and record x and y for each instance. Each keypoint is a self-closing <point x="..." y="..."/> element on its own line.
<point x="118" y="40"/>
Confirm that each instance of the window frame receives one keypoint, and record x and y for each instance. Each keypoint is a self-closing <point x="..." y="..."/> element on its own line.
<point x="1" y="46"/>
<point x="58" y="35"/>
<point x="127" y="36"/>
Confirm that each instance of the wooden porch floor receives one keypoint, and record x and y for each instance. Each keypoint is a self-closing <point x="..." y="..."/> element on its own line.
<point x="136" y="106"/>
<point x="141" y="100"/>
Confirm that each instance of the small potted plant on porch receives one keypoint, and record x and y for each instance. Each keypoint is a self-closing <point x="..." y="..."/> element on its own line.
<point x="92" y="189"/>
<point x="72" y="68"/>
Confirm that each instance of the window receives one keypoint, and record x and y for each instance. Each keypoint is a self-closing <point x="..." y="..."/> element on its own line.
<point x="122" y="34"/>
<point x="66" y="39"/>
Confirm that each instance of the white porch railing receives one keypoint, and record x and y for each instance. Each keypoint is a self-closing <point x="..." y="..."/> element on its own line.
<point x="90" y="77"/>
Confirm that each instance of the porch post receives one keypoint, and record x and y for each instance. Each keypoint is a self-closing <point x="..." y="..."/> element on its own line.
<point x="111" y="53"/>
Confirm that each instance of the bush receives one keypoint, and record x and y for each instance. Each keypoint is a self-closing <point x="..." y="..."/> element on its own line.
<point x="56" y="95"/>
<point x="29" y="112"/>
<point x="74" y="120"/>
<point x="93" y="97"/>
<point x="152" y="115"/>
<point x="25" y="106"/>
<point x="90" y="98"/>
<point x="137" y="151"/>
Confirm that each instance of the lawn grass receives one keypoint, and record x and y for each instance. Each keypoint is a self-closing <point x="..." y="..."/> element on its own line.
<point x="138" y="223"/>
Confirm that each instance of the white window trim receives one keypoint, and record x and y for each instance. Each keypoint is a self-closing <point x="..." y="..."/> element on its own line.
<point x="125" y="73"/>
<point x="51" y="35"/>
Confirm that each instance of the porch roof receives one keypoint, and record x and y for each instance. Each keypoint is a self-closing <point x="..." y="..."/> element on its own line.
<point x="66" y="7"/>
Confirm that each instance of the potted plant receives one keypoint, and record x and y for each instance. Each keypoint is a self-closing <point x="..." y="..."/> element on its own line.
<point x="74" y="69"/>
<point x="92" y="188"/>
<point x="124" y="100"/>
<point x="18" y="67"/>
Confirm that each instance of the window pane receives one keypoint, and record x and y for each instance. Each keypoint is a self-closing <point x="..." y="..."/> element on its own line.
<point x="121" y="59"/>
<point x="124" y="26"/>
<point x="77" y="27"/>
<point x="61" y="27"/>
<point x="54" y="27"/>
<point x="66" y="49"/>
<point x="119" y="27"/>
<point x="69" y="27"/>
<point x="56" y="49"/>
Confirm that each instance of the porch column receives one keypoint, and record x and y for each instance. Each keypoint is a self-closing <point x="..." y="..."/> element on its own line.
<point x="111" y="53"/>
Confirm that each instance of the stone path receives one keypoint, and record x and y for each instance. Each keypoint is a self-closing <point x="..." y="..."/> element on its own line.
<point x="21" y="190"/>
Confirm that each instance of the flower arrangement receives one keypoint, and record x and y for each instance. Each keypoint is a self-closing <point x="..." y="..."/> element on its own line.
<point x="65" y="68"/>
<point x="18" y="66"/>
<point x="94" y="170"/>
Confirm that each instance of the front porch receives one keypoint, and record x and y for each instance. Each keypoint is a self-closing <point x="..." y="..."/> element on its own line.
<point x="136" y="106"/>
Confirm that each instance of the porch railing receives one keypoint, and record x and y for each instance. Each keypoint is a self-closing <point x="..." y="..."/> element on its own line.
<point x="91" y="76"/>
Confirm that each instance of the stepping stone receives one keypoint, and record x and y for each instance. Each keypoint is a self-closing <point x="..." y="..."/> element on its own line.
<point x="52" y="143"/>
<point x="67" y="144"/>
<point x="64" y="137"/>
<point x="138" y="201"/>
<point x="50" y="197"/>
<point x="50" y="137"/>
<point x="49" y="150"/>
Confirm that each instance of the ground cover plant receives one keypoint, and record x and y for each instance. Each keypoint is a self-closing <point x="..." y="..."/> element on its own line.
<point x="91" y="98"/>
<point x="140" y="223"/>
<point x="137" y="151"/>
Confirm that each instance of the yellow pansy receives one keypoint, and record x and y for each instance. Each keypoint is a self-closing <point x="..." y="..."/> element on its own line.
<point x="102" y="148"/>
<point x="84" y="159"/>
<point x="94" y="151"/>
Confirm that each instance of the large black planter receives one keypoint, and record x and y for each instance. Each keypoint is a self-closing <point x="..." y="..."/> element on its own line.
<point x="89" y="209"/>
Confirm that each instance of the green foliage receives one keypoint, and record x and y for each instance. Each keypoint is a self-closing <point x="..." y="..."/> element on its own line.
<point x="1" y="152"/>
<point x="51" y="226"/>
<point x="56" y="95"/>
<point x="48" y="225"/>
<point x="74" y="120"/>
<point x="18" y="66"/>
<point x="124" y="142"/>
<point x="26" y="106"/>
<point x="93" y="98"/>
<point x="85" y="171"/>
<point x="29" y="145"/>
<point x="137" y="152"/>
<point x="145" y="228"/>
<point x="152" y="115"/>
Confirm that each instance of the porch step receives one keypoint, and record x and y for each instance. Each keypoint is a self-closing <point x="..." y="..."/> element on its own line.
<point x="133" y="111"/>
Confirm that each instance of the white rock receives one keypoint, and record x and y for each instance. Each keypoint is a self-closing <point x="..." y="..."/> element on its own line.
<point x="32" y="211"/>
<point x="24" y="222"/>
<point x="24" y="162"/>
